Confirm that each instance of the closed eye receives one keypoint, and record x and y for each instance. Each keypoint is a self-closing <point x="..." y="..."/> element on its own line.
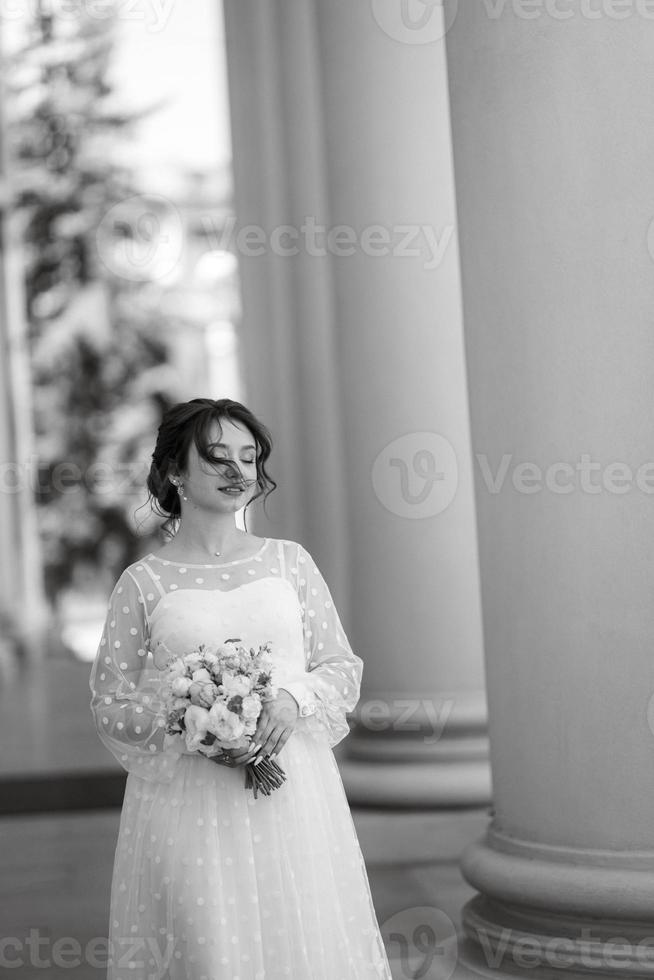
<point x="220" y="460"/>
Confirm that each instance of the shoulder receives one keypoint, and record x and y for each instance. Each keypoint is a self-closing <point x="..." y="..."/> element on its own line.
<point x="293" y="549"/>
<point x="132" y="579"/>
<point x="297" y="558"/>
<point x="284" y="543"/>
<point x="299" y="561"/>
<point x="135" y="570"/>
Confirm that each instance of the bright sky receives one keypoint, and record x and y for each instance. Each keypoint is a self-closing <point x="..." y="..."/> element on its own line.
<point x="176" y="51"/>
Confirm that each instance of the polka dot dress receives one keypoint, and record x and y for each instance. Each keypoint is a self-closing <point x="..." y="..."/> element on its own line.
<point x="209" y="882"/>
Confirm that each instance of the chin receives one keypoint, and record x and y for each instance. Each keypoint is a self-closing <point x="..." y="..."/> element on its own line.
<point x="231" y="503"/>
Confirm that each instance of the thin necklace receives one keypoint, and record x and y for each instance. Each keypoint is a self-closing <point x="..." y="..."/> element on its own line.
<point x="218" y="553"/>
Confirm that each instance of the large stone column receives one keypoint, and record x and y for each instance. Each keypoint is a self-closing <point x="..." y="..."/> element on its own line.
<point x="354" y="355"/>
<point x="553" y="131"/>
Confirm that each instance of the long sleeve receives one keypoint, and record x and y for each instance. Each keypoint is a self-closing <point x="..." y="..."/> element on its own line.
<point x="330" y="687"/>
<point x="125" y="701"/>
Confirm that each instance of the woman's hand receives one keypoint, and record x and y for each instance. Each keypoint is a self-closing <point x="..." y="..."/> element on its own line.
<point x="274" y="728"/>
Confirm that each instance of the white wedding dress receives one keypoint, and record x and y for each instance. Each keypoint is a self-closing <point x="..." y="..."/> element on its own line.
<point x="209" y="882"/>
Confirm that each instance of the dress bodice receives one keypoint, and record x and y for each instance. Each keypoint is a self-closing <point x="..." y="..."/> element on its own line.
<point x="161" y="608"/>
<point x="254" y="612"/>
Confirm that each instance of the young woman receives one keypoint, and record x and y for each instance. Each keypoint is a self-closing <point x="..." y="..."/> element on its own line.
<point x="209" y="881"/>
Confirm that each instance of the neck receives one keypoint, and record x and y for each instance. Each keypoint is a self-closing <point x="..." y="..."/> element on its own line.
<point x="218" y="539"/>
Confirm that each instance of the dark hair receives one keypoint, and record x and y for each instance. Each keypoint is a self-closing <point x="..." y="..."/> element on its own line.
<point x="186" y="423"/>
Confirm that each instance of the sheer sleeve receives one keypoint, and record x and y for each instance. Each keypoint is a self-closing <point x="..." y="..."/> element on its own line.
<point x="125" y="701"/>
<point x="331" y="685"/>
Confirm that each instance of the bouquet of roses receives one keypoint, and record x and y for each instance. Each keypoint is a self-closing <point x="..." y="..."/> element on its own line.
<point x="214" y="697"/>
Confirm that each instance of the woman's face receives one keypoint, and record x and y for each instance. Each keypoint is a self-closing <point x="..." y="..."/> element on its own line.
<point x="204" y="482"/>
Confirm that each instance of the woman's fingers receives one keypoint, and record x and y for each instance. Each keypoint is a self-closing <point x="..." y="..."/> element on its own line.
<point x="275" y="742"/>
<point x="280" y="743"/>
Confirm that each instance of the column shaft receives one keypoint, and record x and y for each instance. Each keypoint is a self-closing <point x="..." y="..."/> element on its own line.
<point x="553" y="147"/>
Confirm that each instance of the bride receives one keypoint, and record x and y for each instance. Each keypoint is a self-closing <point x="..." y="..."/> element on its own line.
<point x="209" y="881"/>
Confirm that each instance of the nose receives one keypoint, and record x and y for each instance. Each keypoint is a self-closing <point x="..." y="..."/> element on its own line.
<point x="231" y="472"/>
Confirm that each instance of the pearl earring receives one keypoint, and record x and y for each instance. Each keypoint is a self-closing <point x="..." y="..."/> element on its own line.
<point x="180" y="490"/>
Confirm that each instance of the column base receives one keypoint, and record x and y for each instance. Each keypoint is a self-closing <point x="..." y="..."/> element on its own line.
<point x="416" y="785"/>
<point x="547" y="912"/>
<point x="428" y="752"/>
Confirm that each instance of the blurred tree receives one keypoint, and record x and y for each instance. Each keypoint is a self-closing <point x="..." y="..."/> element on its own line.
<point x="95" y="336"/>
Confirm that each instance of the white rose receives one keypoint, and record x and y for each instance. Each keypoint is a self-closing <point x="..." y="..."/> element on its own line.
<point x="196" y="720"/>
<point x="180" y="686"/>
<point x="226" y="650"/>
<point x="223" y="723"/>
<point x="236" y="684"/>
<point x="251" y="706"/>
<point x="193" y="661"/>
